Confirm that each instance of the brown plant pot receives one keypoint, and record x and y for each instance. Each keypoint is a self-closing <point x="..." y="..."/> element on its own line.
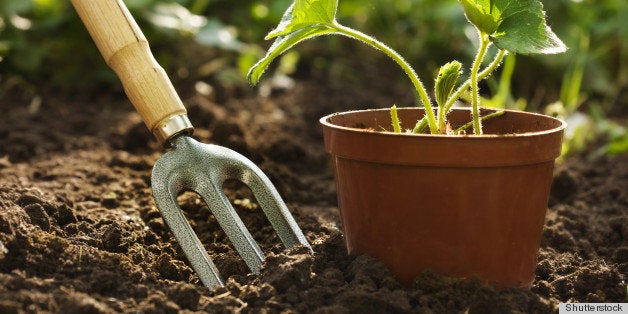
<point x="458" y="205"/>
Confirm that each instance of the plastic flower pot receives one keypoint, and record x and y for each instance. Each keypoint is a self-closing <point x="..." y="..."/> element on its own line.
<point x="459" y="205"/>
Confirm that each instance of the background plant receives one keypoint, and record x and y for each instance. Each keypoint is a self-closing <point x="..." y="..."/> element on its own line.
<point x="43" y="41"/>
<point x="594" y="83"/>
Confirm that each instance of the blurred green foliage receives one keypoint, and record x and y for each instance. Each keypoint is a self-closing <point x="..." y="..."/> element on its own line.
<point x="594" y="74"/>
<point x="40" y="42"/>
<point x="44" y="44"/>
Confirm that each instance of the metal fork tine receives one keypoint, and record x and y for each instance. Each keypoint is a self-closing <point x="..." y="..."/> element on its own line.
<point x="231" y="223"/>
<point x="271" y="203"/>
<point x="186" y="237"/>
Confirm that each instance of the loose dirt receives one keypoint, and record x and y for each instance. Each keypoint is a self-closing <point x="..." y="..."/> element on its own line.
<point x="80" y="233"/>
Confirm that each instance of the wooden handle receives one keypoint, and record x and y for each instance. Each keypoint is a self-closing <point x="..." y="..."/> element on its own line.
<point x="126" y="51"/>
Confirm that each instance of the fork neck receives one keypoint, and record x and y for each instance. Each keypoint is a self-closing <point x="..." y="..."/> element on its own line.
<point x="171" y="127"/>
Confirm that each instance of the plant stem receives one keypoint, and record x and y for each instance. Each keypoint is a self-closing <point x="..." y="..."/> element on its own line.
<point x="442" y="119"/>
<point x="442" y="114"/>
<point x="421" y="126"/>
<point x="486" y="72"/>
<point x="475" y="93"/>
<point x="418" y="85"/>
<point x="395" y="119"/>
<point x="484" y="118"/>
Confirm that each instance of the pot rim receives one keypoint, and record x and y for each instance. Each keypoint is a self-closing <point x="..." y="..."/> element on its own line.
<point x="325" y="122"/>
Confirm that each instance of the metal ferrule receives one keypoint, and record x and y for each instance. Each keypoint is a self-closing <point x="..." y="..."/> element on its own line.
<point x="171" y="127"/>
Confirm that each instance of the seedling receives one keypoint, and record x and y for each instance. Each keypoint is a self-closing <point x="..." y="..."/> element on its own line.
<point x="515" y="26"/>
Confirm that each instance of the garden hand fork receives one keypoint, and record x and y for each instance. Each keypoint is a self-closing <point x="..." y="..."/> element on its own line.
<point x="190" y="165"/>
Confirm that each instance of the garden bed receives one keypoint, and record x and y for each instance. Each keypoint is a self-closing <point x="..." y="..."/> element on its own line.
<point x="79" y="230"/>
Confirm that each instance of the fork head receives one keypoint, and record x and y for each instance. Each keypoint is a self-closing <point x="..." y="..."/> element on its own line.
<point x="203" y="168"/>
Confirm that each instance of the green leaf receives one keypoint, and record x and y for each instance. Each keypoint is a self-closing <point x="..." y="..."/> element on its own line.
<point x="446" y="81"/>
<point x="518" y="26"/>
<point x="478" y="12"/>
<point x="281" y="45"/>
<point x="305" y="13"/>
<point x="524" y="30"/>
<point x="304" y="19"/>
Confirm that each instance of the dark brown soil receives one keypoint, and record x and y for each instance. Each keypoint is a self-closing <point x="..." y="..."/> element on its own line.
<point x="80" y="233"/>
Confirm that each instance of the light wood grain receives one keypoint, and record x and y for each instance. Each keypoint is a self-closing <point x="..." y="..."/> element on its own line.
<point x="126" y="50"/>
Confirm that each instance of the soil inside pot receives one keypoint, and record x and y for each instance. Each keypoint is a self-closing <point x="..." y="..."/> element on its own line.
<point x="79" y="231"/>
